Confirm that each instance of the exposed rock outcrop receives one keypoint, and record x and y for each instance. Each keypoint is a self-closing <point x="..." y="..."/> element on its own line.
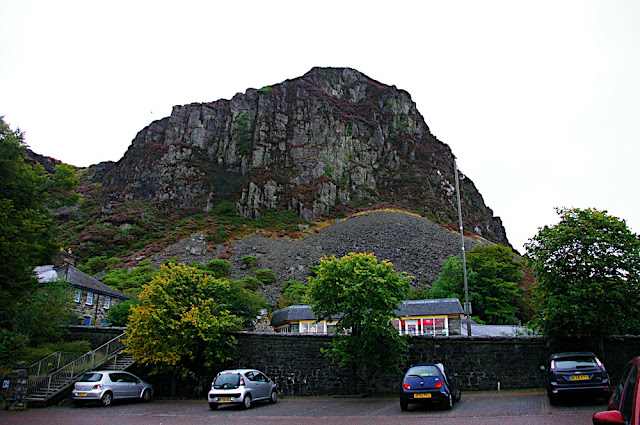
<point x="331" y="140"/>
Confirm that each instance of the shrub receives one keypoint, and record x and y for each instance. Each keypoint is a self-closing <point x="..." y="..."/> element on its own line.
<point x="266" y="276"/>
<point x="251" y="283"/>
<point x="225" y="208"/>
<point x="250" y="261"/>
<point x="94" y="265"/>
<point x="119" y="313"/>
<point x="219" y="268"/>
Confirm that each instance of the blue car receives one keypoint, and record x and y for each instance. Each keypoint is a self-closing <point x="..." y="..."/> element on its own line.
<point x="429" y="383"/>
<point x="576" y="373"/>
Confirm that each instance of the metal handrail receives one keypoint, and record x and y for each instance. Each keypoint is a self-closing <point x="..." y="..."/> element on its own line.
<point x="72" y="370"/>
<point x="51" y="363"/>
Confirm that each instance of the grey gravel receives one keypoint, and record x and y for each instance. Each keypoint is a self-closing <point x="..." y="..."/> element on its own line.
<point x="413" y="244"/>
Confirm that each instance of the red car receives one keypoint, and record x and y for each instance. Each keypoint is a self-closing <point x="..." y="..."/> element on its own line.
<point x="624" y="405"/>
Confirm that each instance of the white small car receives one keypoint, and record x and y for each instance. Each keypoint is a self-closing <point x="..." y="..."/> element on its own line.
<point x="241" y="386"/>
<point x="104" y="386"/>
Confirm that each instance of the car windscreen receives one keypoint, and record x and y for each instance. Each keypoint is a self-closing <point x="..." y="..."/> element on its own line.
<point x="227" y="380"/>
<point x="423" y="371"/>
<point x="90" y="377"/>
<point x="577" y="362"/>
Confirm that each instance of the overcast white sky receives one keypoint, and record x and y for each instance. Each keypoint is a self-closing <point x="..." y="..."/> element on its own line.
<point x="539" y="101"/>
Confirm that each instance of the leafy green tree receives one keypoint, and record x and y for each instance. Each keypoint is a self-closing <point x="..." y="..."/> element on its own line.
<point x="49" y="307"/>
<point x="119" y="313"/>
<point x="450" y="284"/>
<point x="26" y="241"/>
<point x="293" y="293"/>
<point x="587" y="271"/>
<point x="366" y="293"/>
<point x="61" y="187"/>
<point x="493" y="278"/>
<point x="243" y="302"/>
<point x="25" y="225"/>
<point x="183" y="320"/>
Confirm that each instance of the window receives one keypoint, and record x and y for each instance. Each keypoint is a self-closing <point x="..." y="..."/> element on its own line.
<point x="313" y="327"/>
<point x="107" y="302"/>
<point x="89" y="298"/>
<point x="618" y="391"/>
<point x="627" y="399"/>
<point x="77" y="296"/>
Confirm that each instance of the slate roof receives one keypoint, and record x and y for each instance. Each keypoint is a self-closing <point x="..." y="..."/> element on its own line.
<point x="442" y="306"/>
<point x="77" y="279"/>
<point x="293" y="313"/>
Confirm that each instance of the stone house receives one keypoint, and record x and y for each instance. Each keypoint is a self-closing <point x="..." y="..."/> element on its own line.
<point x="92" y="298"/>
<point x="438" y="317"/>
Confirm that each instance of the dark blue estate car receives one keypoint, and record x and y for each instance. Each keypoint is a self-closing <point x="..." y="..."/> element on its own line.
<point x="576" y="372"/>
<point x="429" y="383"/>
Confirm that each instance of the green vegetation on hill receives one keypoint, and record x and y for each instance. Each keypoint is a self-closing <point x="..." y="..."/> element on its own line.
<point x="97" y="235"/>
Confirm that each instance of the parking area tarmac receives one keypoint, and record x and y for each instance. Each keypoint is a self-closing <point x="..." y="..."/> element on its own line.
<point x="478" y="408"/>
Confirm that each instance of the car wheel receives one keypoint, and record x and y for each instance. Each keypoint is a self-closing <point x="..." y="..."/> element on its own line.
<point x="404" y="405"/>
<point x="213" y="406"/>
<point x="106" y="399"/>
<point x="458" y="396"/>
<point x="274" y="397"/>
<point x="246" y="403"/>
<point x="448" y="403"/>
<point x="146" y="395"/>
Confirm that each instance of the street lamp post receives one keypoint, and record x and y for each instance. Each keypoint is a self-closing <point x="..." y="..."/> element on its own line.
<point x="464" y="257"/>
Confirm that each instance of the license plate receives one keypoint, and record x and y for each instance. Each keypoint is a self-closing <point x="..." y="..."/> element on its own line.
<point x="225" y="400"/>
<point x="81" y="394"/>
<point x="425" y="395"/>
<point x="579" y="378"/>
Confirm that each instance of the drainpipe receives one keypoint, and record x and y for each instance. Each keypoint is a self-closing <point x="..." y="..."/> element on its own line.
<point x="95" y="314"/>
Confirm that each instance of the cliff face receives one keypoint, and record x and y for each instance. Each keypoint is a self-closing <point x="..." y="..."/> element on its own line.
<point x="330" y="140"/>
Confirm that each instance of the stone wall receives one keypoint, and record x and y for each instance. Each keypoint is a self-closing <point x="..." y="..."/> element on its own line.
<point x="299" y="367"/>
<point x="95" y="311"/>
<point x="95" y="335"/>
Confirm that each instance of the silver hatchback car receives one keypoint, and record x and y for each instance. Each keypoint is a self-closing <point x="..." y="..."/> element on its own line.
<point x="105" y="386"/>
<point x="241" y="386"/>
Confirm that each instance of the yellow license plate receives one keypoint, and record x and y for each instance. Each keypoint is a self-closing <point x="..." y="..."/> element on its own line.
<point x="579" y="378"/>
<point x="81" y="394"/>
<point x="225" y="400"/>
<point x="425" y="395"/>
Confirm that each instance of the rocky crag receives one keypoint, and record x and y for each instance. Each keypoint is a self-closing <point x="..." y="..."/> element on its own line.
<point x="329" y="142"/>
